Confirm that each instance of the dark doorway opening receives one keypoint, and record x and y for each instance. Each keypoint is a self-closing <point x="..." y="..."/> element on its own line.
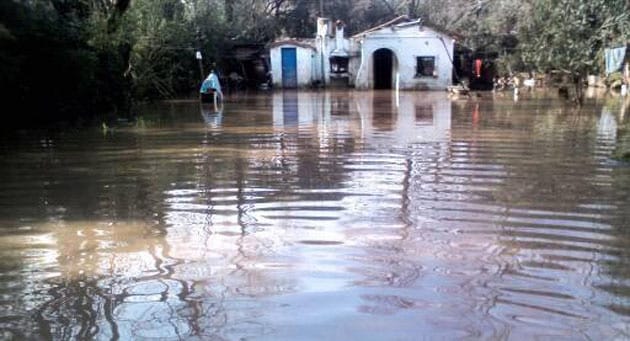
<point x="383" y="68"/>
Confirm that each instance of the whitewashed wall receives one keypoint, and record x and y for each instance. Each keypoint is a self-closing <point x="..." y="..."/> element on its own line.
<point x="406" y="44"/>
<point x="305" y="64"/>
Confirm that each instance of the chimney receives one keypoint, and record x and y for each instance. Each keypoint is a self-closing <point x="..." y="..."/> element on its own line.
<point x="339" y="35"/>
<point x="323" y="27"/>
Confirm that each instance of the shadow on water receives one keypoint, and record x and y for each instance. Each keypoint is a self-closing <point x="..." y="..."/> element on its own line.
<point x="322" y="215"/>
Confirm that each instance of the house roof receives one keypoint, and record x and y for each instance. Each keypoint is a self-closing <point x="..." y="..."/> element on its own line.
<point x="402" y="22"/>
<point x="395" y="21"/>
<point x="246" y="51"/>
<point x="303" y="43"/>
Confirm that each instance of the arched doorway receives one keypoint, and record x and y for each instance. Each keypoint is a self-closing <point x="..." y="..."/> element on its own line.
<point x="383" y="68"/>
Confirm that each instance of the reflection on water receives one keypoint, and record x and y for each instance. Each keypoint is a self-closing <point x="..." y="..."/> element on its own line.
<point x="212" y="115"/>
<point x="322" y="215"/>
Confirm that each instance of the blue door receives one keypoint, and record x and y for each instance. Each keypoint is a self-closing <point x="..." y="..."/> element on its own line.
<point x="289" y="68"/>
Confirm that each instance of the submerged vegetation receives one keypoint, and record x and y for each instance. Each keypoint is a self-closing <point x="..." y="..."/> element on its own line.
<point x="63" y="59"/>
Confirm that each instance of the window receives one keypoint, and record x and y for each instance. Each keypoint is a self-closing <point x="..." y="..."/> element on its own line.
<point x="425" y="67"/>
<point x="338" y="64"/>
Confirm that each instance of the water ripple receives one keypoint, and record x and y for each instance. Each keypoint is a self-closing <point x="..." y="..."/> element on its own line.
<point x="330" y="215"/>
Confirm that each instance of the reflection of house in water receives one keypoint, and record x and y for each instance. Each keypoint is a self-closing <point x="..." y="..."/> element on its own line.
<point x="287" y="110"/>
<point x="383" y="112"/>
<point x="424" y="114"/>
<point x="409" y="116"/>
<point x="339" y="105"/>
<point x="313" y="110"/>
<point x="290" y="108"/>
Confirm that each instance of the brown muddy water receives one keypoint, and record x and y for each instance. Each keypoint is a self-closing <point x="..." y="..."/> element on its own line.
<point x="322" y="216"/>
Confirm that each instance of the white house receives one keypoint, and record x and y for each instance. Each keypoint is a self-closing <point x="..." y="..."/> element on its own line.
<point x="401" y="54"/>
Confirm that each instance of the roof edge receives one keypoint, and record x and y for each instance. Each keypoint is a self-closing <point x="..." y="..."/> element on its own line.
<point x="292" y="42"/>
<point x="398" y="19"/>
<point x="404" y="21"/>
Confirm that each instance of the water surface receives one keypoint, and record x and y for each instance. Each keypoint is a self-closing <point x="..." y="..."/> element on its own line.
<point x="322" y="216"/>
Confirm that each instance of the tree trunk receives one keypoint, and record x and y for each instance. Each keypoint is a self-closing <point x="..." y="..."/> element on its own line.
<point x="229" y="10"/>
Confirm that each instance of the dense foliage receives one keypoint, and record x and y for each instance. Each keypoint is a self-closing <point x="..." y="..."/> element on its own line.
<point x="570" y="35"/>
<point x="58" y="60"/>
<point x="63" y="59"/>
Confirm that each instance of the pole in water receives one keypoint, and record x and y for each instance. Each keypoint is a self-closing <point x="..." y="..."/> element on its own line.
<point x="199" y="57"/>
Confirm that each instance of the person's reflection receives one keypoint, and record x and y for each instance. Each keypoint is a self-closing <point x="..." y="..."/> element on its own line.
<point x="212" y="114"/>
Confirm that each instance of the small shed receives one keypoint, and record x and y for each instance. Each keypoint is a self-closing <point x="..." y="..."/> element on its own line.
<point x="292" y="62"/>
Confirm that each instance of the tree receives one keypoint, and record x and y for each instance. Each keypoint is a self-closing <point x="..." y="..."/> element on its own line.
<point x="570" y="36"/>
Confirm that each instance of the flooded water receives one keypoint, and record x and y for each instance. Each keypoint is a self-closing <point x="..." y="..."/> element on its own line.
<point x="322" y="216"/>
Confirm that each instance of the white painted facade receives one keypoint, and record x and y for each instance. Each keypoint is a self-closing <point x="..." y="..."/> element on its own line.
<point x="403" y="41"/>
<point x="305" y="55"/>
<point x="406" y="44"/>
